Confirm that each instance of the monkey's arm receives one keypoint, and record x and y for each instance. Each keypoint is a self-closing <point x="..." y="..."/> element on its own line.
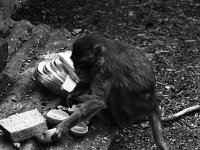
<point x="80" y="89"/>
<point x="86" y="111"/>
<point x="90" y="106"/>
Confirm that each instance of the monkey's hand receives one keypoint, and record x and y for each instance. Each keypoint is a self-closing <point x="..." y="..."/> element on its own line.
<point x="73" y="95"/>
<point x="91" y="106"/>
<point x="72" y="98"/>
<point x="57" y="135"/>
<point x="66" y="125"/>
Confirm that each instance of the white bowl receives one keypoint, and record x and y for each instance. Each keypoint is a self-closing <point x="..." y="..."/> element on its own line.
<point x="55" y="116"/>
<point x="79" y="130"/>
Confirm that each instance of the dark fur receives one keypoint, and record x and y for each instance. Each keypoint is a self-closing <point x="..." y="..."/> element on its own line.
<point x="115" y="77"/>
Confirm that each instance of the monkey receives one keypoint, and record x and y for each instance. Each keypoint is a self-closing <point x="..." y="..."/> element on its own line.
<point x="116" y="78"/>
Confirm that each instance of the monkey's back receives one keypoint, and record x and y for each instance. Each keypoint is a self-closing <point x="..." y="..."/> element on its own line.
<point x="132" y="78"/>
<point x="130" y="92"/>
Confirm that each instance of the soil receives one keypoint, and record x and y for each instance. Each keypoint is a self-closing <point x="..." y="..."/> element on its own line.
<point x="168" y="31"/>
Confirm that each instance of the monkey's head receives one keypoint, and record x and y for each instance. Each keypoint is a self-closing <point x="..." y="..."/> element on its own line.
<point x="88" y="56"/>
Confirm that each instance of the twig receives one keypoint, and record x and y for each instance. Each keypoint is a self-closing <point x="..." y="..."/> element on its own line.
<point x="161" y="83"/>
<point x="190" y="41"/>
<point x="181" y="113"/>
<point x="145" y="4"/>
<point x="189" y="18"/>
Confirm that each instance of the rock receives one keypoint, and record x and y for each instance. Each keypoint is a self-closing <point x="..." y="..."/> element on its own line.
<point x="8" y="7"/>
<point x="26" y="46"/>
<point x="24" y="125"/>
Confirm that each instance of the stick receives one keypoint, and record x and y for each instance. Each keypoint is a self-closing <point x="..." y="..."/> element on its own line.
<point x="181" y="113"/>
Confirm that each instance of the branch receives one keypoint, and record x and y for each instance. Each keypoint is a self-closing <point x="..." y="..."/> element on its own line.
<point x="181" y="113"/>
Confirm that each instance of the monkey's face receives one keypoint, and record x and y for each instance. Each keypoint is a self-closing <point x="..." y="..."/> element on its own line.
<point x="83" y="60"/>
<point x="87" y="56"/>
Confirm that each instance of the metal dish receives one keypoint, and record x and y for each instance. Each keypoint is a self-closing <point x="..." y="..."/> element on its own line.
<point x="53" y="76"/>
<point x="48" y="80"/>
<point x="57" y="74"/>
<point x="40" y="67"/>
<point x="69" y="68"/>
<point x="58" y="64"/>
<point x="54" y="87"/>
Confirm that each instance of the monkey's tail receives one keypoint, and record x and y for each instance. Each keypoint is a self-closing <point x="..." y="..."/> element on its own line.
<point x="183" y="112"/>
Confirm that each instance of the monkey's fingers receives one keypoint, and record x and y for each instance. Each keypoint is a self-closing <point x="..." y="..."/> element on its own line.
<point x="57" y="135"/>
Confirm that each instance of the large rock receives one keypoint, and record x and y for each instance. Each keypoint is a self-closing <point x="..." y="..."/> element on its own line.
<point x="27" y="46"/>
<point x="8" y="7"/>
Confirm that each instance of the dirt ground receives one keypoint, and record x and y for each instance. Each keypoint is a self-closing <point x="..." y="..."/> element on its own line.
<point x="168" y="31"/>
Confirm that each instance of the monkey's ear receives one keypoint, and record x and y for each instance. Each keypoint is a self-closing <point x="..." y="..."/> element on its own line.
<point x="99" y="51"/>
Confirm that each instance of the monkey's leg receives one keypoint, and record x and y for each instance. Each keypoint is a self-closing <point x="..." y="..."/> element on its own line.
<point x="157" y="130"/>
<point x="86" y="111"/>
